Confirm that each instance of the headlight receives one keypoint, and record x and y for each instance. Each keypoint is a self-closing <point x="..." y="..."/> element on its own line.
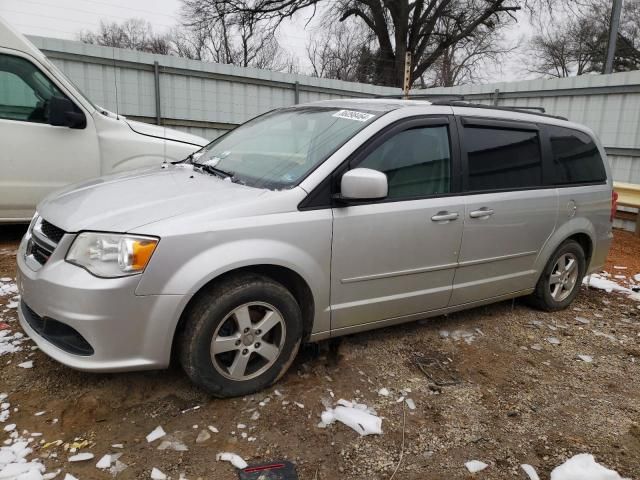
<point x="111" y="254"/>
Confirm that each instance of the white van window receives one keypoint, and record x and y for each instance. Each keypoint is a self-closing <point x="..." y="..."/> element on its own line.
<point x="24" y="90"/>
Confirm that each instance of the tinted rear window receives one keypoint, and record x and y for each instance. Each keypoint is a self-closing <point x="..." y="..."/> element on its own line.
<point x="576" y="158"/>
<point x="502" y="158"/>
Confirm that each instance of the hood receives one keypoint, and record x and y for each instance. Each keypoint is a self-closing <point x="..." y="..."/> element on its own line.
<point x="164" y="132"/>
<point x="122" y="202"/>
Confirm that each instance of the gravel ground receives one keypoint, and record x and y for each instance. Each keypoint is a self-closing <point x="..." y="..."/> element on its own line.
<point x="520" y="398"/>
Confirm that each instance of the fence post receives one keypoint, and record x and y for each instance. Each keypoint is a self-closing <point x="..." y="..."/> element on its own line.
<point x="296" y="92"/>
<point x="156" y="77"/>
<point x="496" y="94"/>
<point x="613" y="35"/>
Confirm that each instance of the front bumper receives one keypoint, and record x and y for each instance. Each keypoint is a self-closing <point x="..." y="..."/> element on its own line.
<point x="125" y="331"/>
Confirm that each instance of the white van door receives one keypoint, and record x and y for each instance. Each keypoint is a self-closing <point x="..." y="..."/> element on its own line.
<point x="37" y="157"/>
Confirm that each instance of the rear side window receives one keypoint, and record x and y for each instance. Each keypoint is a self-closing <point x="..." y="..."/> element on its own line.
<point x="576" y="158"/>
<point x="500" y="159"/>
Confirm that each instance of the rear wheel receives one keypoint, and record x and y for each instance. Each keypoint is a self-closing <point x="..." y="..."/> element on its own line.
<point x="240" y="336"/>
<point x="560" y="281"/>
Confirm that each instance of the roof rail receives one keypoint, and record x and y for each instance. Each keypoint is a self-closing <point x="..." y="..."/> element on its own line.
<point x="423" y="96"/>
<point x="454" y="100"/>
<point x="530" y="110"/>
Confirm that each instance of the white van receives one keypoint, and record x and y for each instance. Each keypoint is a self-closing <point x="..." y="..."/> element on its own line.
<point x="52" y="135"/>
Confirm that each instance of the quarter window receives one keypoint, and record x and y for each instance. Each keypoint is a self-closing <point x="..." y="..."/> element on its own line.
<point x="576" y="158"/>
<point x="417" y="162"/>
<point x="24" y="90"/>
<point x="501" y="159"/>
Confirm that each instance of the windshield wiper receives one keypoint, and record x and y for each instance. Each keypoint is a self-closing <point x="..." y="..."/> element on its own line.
<point x="214" y="170"/>
<point x="207" y="168"/>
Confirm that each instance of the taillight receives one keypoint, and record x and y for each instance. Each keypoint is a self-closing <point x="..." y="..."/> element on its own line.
<point x="614" y="204"/>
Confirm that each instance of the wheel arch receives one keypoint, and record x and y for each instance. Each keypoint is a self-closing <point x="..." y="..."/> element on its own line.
<point x="290" y="279"/>
<point x="580" y="230"/>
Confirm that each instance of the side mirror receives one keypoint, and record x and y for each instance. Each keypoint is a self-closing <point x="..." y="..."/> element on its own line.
<point x="363" y="184"/>
<point x="63" y="113"/>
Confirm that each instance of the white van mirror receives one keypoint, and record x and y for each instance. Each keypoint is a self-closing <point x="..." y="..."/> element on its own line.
<point x="63" y="113"/>
<point x="363" y="184"/>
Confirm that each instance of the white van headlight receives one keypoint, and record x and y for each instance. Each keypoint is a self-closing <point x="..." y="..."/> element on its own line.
<point x="111" y="254"/>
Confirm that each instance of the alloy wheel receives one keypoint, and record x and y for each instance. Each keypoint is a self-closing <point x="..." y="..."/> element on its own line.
<point x="248" y="341"/>
<point x="563" y="277"/>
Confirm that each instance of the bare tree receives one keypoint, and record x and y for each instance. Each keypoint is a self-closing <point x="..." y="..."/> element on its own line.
<point x="468" y="60"/>
<point x="235" y="38"/>
<point x="427" y="28"/>
<point x="339" y="50"/>
<point x="192" y="43"/>
<point x="134" y="34"/>
<point x="578" y="44"/>
<point x="241" y="42"/>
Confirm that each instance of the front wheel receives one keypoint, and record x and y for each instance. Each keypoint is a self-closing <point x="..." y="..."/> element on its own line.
<point x="240" y="336"/>
<point x="560" y="281"/>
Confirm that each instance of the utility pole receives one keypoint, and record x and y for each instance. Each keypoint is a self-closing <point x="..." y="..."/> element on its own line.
<point x="407" y="75"/>
<point x="613" y="35"/>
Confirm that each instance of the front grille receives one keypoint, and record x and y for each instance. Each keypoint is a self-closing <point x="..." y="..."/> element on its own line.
<point x="41" y="254"/>
<point x="52" y="232"/>
<point x="44" y="239"/>
<point x="59" y="334"/>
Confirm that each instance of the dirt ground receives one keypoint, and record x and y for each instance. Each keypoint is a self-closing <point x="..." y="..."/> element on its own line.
<point x="520" y="398"/>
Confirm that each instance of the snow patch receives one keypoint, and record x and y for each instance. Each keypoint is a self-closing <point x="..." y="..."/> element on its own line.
<point x="157" y="433"/>
<point x="354" y="415"/>
<point x="583" y="467"/>
<point x="475" y="466"/>
<point x="601" y="283"/>
<point x="157" y="474"/>
<point x="235" y="460"/>
<point x="530" y="471"/>
<point x="104" y="462"/>
<point x="81" y="457"/>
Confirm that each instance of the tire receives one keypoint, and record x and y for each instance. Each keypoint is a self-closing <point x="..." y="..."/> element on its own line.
<point x="558" y="286"/>
<point x="243" y="359"/>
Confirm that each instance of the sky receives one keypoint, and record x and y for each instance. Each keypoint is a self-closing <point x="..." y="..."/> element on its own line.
<point x="66" y="18"/>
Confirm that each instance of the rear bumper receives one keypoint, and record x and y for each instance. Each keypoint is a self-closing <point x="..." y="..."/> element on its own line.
<point x="124" y="331"/>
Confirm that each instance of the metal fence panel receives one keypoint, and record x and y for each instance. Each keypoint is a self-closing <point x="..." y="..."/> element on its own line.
<point x="208" y="99"/>
<point x="608" y="104"/>
<point x="199" y="97"/>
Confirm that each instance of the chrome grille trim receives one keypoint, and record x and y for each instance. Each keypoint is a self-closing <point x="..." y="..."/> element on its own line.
<point x="41" y="246"/>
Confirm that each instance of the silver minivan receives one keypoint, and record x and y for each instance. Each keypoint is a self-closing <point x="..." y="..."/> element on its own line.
<point x="308" y="223"/>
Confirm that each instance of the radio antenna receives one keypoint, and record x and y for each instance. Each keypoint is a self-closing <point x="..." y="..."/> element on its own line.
<point x="164" y="143"/>
<point x="115" y="79"/>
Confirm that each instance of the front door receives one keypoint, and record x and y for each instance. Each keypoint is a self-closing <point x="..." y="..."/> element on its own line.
<point x="36" y="157"/>
<point x="396" y="257"/>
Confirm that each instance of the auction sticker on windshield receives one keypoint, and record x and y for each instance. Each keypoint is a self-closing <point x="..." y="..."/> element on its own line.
<point x="353" y="115"/>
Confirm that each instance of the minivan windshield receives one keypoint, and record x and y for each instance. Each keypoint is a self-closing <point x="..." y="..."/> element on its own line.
<point x="278" y="149"/>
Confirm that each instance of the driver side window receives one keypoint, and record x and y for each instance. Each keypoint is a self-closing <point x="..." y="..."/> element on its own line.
<point x="24" y="90"/>
<point x="417" y="162"/>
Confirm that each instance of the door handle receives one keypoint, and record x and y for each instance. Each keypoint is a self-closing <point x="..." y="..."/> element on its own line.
<point x="484" y="212"/>
<point x="444" y="216"/>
